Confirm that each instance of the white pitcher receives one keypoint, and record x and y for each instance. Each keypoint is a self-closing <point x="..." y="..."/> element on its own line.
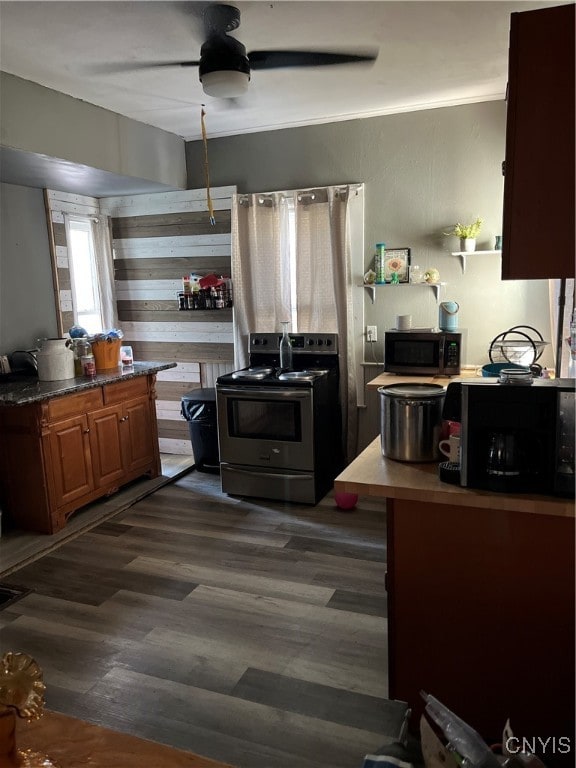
<point x="55" y="360"/>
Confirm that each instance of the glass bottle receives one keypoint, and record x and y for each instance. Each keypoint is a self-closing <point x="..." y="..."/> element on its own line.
<point x="285" y="348"/>
<point x="379" y="263"/>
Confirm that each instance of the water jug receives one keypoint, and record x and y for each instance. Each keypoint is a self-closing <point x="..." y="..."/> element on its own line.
<point x="448" y="316"/>
<point x="55" y="360"/>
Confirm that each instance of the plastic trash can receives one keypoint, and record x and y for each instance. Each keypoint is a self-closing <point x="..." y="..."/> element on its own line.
<point x="199" y="409"/>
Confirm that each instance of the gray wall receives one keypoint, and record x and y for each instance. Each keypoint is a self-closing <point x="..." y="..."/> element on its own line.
<point x="46" y="122"/>
<point x="27" y="308"/>
<point x="423" y="171"/>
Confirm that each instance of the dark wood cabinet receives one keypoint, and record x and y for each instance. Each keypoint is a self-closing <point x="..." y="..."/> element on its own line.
<point x="58" y="455"/>
<point x="538" y="226"/>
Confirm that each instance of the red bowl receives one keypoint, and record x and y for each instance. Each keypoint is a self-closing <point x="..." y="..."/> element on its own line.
<point x="345" y="500"/>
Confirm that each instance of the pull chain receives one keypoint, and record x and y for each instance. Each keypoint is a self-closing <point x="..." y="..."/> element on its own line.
<point x="207" y="170"/>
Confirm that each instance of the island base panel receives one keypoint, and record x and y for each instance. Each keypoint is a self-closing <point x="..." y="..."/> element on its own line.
<point x="481" y="615"/>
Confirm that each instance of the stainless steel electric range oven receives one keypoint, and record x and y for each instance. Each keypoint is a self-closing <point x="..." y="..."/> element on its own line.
<point x="279" y="431"/>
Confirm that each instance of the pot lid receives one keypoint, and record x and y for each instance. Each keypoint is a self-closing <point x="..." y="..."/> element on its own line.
<point x="413" y="390"/>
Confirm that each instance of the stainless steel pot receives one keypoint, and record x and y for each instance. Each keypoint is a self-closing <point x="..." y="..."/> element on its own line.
<point x="411" y="420"/>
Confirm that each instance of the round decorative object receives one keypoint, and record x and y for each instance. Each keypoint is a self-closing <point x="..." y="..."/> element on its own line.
<point x="345" y="500"/>
<point x="432" y="275"/>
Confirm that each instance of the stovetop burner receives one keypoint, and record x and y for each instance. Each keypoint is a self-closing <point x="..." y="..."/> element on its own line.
<point x="301" y="375"/>
<point x="253" y="374"/>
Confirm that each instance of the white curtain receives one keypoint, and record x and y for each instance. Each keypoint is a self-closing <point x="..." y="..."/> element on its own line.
<point x="260" y="267"/>
<point x="263" y="284"/>
<point x="323" y="286"/>
<point x="102" y="235"/>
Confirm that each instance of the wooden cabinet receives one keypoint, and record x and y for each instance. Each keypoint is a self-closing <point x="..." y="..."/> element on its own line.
<point x="538" y="226"/>
<point x="60" y="454"/>
<point x="71" y="463"/>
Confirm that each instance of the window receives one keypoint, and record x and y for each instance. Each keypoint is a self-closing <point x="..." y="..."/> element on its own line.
<point x="86" y="298"/>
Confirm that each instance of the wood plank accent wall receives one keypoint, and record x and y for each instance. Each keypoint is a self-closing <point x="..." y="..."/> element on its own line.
<point x="157" y="239"/>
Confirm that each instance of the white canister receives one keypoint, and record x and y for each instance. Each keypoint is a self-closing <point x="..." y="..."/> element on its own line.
<point x="55" y="360"/>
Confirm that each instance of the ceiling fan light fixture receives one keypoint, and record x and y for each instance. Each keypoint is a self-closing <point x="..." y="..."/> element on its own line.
<point x="225" y="83"/>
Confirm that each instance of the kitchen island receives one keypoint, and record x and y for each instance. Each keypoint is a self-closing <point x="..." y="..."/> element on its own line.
<point x="66" y="443"/>
<point x="480" y="598"/>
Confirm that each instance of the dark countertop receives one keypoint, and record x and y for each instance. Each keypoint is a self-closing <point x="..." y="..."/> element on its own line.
<point x="19" y="389"/>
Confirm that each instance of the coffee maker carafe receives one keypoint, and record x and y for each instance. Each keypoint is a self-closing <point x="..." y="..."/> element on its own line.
<point x="506" y="462"/>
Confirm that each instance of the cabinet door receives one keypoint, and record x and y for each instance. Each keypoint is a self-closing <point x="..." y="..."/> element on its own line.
<point x="70" y="461"/>
<point x="105" y="442"/>
<point x="538" y="227"/>
<point x="137" y="435"/>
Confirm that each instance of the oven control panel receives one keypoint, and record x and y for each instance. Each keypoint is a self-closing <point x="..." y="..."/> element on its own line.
<point x="317" y="343"/>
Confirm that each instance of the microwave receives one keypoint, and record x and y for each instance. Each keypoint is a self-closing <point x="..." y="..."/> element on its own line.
<point x="423" y="352"/>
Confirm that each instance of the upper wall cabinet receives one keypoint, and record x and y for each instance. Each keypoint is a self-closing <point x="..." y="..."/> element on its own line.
<point x="538" y="227"/>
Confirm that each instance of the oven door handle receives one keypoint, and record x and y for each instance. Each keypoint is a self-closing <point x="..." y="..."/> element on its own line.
<point x="271" y="393"/>
<point x="276" y="475"/>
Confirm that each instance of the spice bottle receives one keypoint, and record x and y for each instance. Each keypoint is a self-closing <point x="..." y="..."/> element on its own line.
<point x="89" y="365"/>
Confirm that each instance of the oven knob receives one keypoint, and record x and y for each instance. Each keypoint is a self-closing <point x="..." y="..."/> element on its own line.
<point x="320" y="342"/>
<point x="256" y="341"/>
<point x="264" y="341"/>
<point x="310" y="342"/>
<point x="328" y="342"/>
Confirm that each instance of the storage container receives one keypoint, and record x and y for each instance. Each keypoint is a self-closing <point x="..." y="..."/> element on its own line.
<point x="55" y="360"/>
<point x="106" y="353"/>
<point x="411" y="421"/>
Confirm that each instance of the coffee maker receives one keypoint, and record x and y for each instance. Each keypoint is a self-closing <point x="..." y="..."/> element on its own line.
<point x="517" y="438"/>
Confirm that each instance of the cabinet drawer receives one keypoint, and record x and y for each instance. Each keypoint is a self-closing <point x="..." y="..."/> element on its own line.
<point x="125" y="390"/>
<point x="72" y="405"/>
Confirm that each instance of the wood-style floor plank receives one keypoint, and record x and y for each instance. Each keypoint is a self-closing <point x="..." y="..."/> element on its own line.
<point x="250" y="631"/>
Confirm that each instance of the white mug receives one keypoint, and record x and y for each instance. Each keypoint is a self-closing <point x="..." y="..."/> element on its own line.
<point x="451" y="448"/>
<point x="403" y="322"/>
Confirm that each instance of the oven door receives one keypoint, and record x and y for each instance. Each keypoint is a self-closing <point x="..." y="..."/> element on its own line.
<point x="266" y="426"/>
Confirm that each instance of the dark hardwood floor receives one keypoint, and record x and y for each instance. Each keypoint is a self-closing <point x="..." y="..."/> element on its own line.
<point x="249" y="631"/>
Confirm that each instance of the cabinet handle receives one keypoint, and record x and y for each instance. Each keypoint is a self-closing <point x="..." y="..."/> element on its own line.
<point x="86" y="431"/>
<point x="124" y="418"/>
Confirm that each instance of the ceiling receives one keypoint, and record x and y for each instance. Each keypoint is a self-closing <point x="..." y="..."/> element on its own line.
<point x="430" y="54"/>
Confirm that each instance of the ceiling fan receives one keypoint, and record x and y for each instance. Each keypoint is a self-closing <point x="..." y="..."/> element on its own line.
<point x="224" y="66"/>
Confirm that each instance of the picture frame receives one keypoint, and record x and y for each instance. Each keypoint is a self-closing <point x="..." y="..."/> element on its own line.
<point x="397" y="260"/>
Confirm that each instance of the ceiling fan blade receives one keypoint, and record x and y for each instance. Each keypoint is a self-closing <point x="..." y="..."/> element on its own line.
<point x="284" y="59"/>
<point x="113" y="68"/>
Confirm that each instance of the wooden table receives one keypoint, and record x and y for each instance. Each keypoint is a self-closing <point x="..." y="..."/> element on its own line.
<point x="384" y="379"/>
<point x="71" y="743"/>
<point x="480" y="597"/>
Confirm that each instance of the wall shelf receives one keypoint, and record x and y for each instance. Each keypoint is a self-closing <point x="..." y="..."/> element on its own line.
<point x="371" y="288"/>
<point x="464" y="254"/>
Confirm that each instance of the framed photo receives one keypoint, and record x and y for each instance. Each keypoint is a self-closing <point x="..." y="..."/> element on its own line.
<point x="396" y="262"/>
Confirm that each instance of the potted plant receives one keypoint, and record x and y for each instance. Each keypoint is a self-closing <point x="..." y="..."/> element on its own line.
<point x="467" y="234"/>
